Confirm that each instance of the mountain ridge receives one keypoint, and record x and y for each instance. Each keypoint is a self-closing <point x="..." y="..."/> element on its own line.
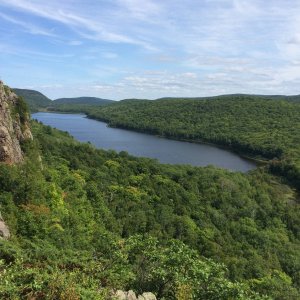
<point x="38" y="101"/>
<point x="236" y="95"/>
<point x="81" y="100"/>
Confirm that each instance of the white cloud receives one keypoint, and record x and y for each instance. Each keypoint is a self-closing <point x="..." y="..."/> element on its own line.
<point x="143" y="11"/>
<point x="188" y="47"/>
<point x="86" y="27"/>
<point x="30" y="28"/>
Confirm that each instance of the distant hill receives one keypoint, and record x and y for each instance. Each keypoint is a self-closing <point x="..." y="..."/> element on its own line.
<point x="34" y="99"/>
<point x="136" y="99"/>
<point x="82" y="101"/>
<point x="293" y="98"/>
<point x="37" y="101"/>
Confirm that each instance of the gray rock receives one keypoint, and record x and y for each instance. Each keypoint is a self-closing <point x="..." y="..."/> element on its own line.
<point x="120" y="295"/>
<point x="149" y="296"/>
<point x="131" y="295"/>
<point x="13" y="129"/>
<point x="4" y="231"/>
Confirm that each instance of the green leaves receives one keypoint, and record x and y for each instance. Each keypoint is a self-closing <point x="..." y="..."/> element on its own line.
<point x="95" y="221"/>
<point x="174" y="271"/>
<point x="254" y="126"/>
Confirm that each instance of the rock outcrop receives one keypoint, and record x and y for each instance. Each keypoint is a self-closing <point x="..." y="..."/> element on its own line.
<point x="4" y="231"/>
<point x="14" y="129"/>
<point x="130" y="295"/>
<point x="14" y="125"/>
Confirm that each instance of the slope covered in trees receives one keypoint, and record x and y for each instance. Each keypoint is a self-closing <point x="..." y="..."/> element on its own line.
<point x="261" y="128"/>
<point x="86" y="221"/>
<point x="37" y="101"/>
<point x="82" y="101"/>
<point x="293" y="98"/>
<point x="34" y="99"/>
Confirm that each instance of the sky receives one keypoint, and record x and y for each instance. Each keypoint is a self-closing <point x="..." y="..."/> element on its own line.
<point x="119" y="49"/>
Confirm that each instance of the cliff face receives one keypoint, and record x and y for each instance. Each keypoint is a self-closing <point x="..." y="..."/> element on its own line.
<point x="14" y="125"/>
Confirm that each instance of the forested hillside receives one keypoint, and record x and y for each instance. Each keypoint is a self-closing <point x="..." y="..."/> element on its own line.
<point x="38" y="102"/>
<point x="260" y="128"/>
<point x="85" y="221"/>
<point x="293" y="98"/>
<point x="82" y="101"/>
<point x="35" y="100"/>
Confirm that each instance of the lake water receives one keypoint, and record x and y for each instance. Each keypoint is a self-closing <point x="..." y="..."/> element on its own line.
<point x="140" y="144"/>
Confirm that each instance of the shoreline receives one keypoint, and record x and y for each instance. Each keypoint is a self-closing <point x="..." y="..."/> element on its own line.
<point x="258" y="161"/>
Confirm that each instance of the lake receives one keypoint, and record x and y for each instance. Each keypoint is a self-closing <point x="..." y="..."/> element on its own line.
<point x="145" y="145"/>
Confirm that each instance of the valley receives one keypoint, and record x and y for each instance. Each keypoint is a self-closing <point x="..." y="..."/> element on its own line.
<point x="99" y="220"/>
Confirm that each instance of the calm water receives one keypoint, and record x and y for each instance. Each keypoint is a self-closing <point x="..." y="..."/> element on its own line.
<point x="140" y="144"/>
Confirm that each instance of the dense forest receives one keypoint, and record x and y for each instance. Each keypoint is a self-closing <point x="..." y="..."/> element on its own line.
<point x="86" y="221"/>
<point x="81" y="101"/>
<point x="253" y="126"/>
<point x="293" y="98"/>
<point x="35" y="100"/>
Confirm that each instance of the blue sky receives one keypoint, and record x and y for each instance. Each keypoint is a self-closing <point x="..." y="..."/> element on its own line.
<point x="148" y="49"/>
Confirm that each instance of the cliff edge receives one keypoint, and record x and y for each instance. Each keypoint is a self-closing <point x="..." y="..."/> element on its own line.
<point x="14" y="125"/>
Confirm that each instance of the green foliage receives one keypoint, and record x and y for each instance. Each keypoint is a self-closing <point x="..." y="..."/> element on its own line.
<point x="7" y="89"/>
<point x="81" y="101"/>
<point x="175" y="267"/>
<point x="254" y="126"/>
<point x="21" y="109"/>
<point x="34" y="99"/>
<point x="22" y="280"/>
<point x="251" y="125"/>
<point x="37" y="101"/>
<point x="84" y="220"/>
<point x="277" y="285"/>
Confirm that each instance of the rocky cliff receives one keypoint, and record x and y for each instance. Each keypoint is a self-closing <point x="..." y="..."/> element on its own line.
<point x="14" y="125"/>
<point x="14" y="129"/>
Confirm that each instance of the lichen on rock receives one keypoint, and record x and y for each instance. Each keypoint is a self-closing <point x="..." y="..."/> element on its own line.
<point x="14" y="125"/>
